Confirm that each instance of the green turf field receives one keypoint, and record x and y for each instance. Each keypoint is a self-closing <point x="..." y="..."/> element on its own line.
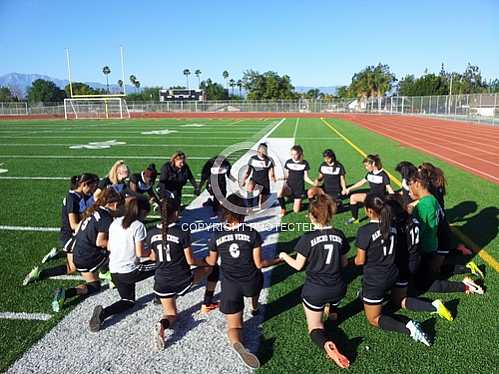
<point x="40" y="149"/>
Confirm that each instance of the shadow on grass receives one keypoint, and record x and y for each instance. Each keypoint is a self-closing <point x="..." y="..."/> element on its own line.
<point x="458" y="212"/>
<point x="282" y="304"/>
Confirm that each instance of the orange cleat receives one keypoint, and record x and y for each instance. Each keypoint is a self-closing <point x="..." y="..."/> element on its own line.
<point x="336" y="356"/>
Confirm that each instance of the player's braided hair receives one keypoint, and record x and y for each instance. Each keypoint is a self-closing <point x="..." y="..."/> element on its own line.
<point x="168" y="209"/>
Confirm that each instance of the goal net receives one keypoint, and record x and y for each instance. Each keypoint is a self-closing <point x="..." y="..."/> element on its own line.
<point x="96" y="108"/>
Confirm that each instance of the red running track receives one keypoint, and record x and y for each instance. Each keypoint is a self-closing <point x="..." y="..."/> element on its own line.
<point x="474" y="148"/>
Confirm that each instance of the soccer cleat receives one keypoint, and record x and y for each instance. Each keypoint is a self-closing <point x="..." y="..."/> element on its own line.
<point x="33" y="275"/>
<point x="49" y="256"/>
<point x="352" y="221"/>
<point x="475" y="270"/>
<point x="96" y="321"/>
<point x="442" y="310"/>
<point x="58" y="300"/>
<point x="417" y="333"/>
<point x="105" y="276"/>
<point x="335" y="355"/>
<point x="158" y="340"/>
<point x="282" y="213"/>
<point x="472" y="287"/>
<point x="248" y="358"/>
<point x="207" y="308"/>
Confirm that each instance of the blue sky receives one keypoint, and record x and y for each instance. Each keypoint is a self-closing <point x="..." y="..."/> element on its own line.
<point x="317" y="43"/>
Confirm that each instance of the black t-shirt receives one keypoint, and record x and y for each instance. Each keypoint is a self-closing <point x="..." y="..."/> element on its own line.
<point x="378" y="182"/>
<point x="235" y="248"/>
<point x="120" y="187"/>
<point x="142" y="187"/>
<point x="260" y="168"/>
<point x="221" y="172"/>
<point x="72" y="203"/>
<point x="85" y="250"/>
<point x="296" y="173"/>
<point x="332" y="177"/>
<point x="380" y="255"/>
<point x="173" y="179"/>
<point x="323" y="249"/>
<point x="172" y="264"/>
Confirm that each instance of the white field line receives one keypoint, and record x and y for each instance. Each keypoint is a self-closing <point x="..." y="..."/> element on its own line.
<point x="117" y="157"/>
<point x="158" y="137"/>
<point x="35" y="178"/>
<point x="120" y="145"/>
<point x="25" y="316"/>
<point x="29" y="228"/>
<point x="296" y="128"/>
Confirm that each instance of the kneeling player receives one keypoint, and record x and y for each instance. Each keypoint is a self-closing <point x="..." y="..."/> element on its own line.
<point x="332" y="176"/>
<point x="173" y="253"/>
<point x="239" y="247"/>
<point x="295" y="173"/>
<point x="324" y="253"/>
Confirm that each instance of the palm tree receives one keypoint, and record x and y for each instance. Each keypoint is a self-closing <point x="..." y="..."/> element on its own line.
<point x="133" y="79"/>
<point x="137" y="85"/>
<point x="232" y="84"/>
<point x="120" y="85"/>
<point x="187" y="72"/>
<point x="240" y="85"/>
<point x="106" y="71"/>
<point x="225" y="74"/>
<point x="197" y="73"/>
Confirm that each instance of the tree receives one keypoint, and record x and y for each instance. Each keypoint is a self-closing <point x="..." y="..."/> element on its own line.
<point x="268" y="86"/>
<point x="232" y="84"/>
<point x="187" y="72"/>
<point x="214" y="91"/>
<point x="137" y="85"/>
<point x="240" y="86"/>
<point x="197" y="73"/>
<point x="146" y="94"/>
<point x="343" y="92"/>
<point x="313" y="93"/>
<point x="106" y="71"/>
<point x="133" y="79"/>
<point x="43" y="91"/>
<point x="81" y="89"/>
<point x="6" y="95"/>
<point x="372" y="81"/>
<point x="225" y="74"/>
<point x="120" y="85"/>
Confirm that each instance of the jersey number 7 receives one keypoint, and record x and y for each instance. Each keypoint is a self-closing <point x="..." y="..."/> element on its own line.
<point x="392" y="245"/>
<point x="329" y="248"/>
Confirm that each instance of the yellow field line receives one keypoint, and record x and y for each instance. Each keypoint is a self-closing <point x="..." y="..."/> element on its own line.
<point x="484" y="255"/>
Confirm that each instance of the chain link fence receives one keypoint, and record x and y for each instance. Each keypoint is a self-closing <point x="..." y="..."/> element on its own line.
<point x="479" y="108"/>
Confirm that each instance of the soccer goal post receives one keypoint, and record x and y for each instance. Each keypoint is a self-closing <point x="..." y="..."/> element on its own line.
<point x="96" y="108"/>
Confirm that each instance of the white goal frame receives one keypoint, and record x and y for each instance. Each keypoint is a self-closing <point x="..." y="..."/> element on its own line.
<point x="104" y="107"/>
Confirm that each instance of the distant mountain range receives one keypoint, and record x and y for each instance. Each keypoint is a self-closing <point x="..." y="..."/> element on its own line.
<point x="18" y="83"/>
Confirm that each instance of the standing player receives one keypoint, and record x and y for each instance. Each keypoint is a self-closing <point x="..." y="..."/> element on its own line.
<point x="376" y="245"/>
<point x="260" y="172"/>
<point x="90" y="246"/>
<point x="323" y="252"/>
<point x="143" y="182"/>
<point x="216" y="169"/>
<point x="239" y="247"/>
<point x="172" y="250"/>
<point x="295" y="174"/>
<point x="73" y="206"/>
<point x="116" y="178"/>
<point x="332" y="175"/>
<point x="379" y="185"/>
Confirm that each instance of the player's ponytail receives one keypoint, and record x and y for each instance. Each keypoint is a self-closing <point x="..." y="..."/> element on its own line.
<point x="77" y="180"/>
<point x="382" y="211"/>
<point x="438" y="180"/>
<point x="322" y="208"/>
<point x="169" y="208"/>
<point x="108" y="196"/>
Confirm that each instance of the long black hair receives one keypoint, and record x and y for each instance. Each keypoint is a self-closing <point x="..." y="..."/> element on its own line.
<point x="383" y="211"/>
<point x="77" y="180"/>
<point x="168" y="208"/>
<point x="406" y="169"/>
<point x="329" y="153"/>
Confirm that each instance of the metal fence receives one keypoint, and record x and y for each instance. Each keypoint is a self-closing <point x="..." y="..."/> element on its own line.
<point x="480" y="108"/>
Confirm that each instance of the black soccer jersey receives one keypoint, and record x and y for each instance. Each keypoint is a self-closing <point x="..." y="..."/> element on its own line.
<point x="105" y="182"/>
<point x="221" y="172"/>
<point x="260" y="168"/>
<point x="85" y="250"/>
<point x="74" y="202"/>
<point x="323" y="249"/>
<point x="172" y="264"/>
<point x="235" y="248"/>
<point x="173" y="179"/>
<point x="332" y="177"/>
<point x="439" y="193"/>
<point x="380" y="254"/>
<point x="296" y="174"/>
<point x="378" y="182"/>
<point x="142" y="187"/>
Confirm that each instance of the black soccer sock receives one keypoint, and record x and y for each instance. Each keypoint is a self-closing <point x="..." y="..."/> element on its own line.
<point x="93" y="287"/>
<point x="445" y="286"/>
<point x="215" y="274"/>
<point x="388" y="323"/>
<point x="282" y="202"/>
<point x="354" y="208"/>
<point x="70" y="292"/>
<point x="118" y="307"/>
<point x="53" y="272"/>
<point x="419" y="305"/>
<point x="319" y="337"/>
<point x="208" y="297"/>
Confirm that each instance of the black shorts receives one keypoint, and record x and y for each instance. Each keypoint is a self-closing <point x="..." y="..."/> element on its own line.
<point x="125" y="282"/>
<point x="93" y="265"/>
<point x="233" y="293"/>
<point x="165" y="290"/>
<point x="264" y="185"/>
<point x="316" y="297"/>
<point x="296" y="192"/>
<point x="374" y="293"/>
<point x="445" y="239"/>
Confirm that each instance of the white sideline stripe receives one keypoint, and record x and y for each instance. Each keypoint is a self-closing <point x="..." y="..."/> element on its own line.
<point x="28" y="316"/>
<point x="67" y="277"/>
<point x="29" y="228"/>
<point x="120" y="145"/>
<point x="117" y="157"/>
<point x="36" y="178"/>
<point x="296" y="127"/>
